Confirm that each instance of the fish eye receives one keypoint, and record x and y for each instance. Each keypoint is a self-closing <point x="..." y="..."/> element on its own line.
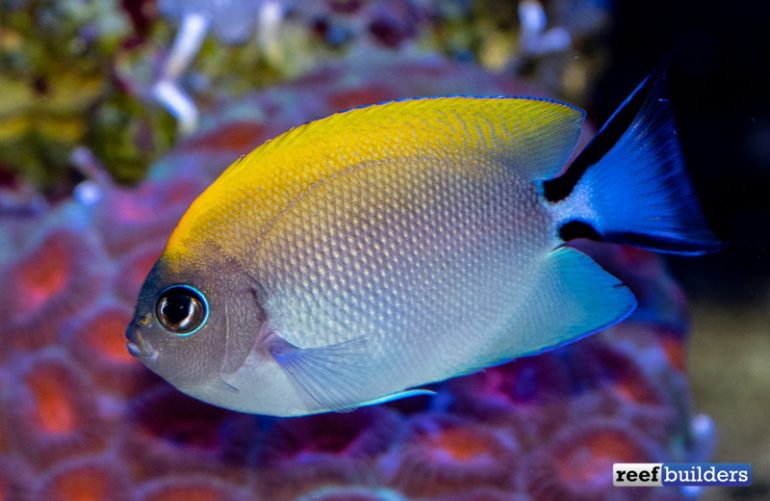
<point x="182" y="310"/>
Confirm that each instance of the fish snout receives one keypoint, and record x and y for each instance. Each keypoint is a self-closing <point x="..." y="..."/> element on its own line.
<point x="137" y="345"/>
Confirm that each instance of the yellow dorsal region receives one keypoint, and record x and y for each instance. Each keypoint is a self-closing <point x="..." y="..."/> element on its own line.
<point x="531" y="134"/>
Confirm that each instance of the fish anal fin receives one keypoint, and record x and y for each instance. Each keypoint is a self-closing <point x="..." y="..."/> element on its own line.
<point x="572" y="297"/>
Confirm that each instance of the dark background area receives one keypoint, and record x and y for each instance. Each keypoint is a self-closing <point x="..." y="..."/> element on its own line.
<point x="720" y="90"/>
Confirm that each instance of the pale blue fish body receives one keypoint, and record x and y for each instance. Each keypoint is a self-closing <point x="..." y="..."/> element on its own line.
<point x="389" y="247"/>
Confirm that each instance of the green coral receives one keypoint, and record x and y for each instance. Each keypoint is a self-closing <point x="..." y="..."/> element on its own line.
<point x="57" y="78"/>
<point x="80" y="72"/>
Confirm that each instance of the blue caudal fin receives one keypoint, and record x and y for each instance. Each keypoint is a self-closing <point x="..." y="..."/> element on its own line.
<point x="632" y="186"/>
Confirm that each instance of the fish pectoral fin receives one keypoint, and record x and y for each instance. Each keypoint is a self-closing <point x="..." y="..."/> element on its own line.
<point x="572" y="297"/>
<point x="331" y="377"/>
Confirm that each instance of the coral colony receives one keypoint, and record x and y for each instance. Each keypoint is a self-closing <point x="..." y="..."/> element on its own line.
<point x="80" y="419"/>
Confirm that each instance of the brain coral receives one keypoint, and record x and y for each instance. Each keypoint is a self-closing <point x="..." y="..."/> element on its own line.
<point x="79" y="419"/>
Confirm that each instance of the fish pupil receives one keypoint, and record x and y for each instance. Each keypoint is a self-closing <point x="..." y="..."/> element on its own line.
<point x="181" y="310"/>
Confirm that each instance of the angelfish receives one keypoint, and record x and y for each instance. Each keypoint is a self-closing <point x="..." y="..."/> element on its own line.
<point x="355" y="258"/>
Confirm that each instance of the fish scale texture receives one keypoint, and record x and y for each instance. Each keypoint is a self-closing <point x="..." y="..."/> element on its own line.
<point x="427" y="266"/>
<point x="79" y="418"/>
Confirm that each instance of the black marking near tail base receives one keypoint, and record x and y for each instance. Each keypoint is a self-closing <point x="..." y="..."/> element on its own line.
<point x="604" y="140"/>
<point x="572" y="230"/>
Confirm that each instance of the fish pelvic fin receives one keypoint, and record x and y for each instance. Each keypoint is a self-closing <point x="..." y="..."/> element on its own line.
<point x="330" y="377"/>
<point x="417" y="392"/>
<point x="630" y="185"/>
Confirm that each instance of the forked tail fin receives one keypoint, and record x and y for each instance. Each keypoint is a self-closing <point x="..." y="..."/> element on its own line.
<point x="630" y="184"/>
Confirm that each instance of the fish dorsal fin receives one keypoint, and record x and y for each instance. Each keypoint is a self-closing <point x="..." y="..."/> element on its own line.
<point x="535" y="134"/>
<point x="532" y="135"/>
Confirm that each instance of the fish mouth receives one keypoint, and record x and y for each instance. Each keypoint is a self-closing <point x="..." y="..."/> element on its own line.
<point x="137" y="345"/>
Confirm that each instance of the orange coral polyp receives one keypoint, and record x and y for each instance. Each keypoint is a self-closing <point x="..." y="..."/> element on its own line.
<point x="588" y="459"/>
<point x="674" y="349"/>
<point x="53" y="409"/>
<point x="106" y="334"/>
<point x="461" y="445"/>
<point x="636" y="390"/>
<point x="79" y="486"/>
<point x="85" y="478"/>
<point x="42" y="275"/>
